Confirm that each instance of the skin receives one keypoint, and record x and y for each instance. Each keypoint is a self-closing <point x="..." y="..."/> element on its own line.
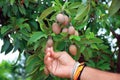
<point x="61" y="64"/>
<point x="58" y="64"/>
<point x="94" y="74"/>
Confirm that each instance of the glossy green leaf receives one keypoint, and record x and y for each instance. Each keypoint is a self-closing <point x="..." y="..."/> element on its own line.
<point x="103" y="65"/>
<point x="91" y="63"/>
<point x="115" y="6"/>
<point x="58" y="3"/>
<point x="36" y="36"/>
<point x="96" y="40"/>
<point x="82" y="12"/>
<point x="93" y="46"/>
<point x="43" y="27"/>
<point x="26" y="2"/>
<point x="5" y="29"/>
<point x="15" y="9"/>
<point x="27" y="26"/>
<point x="32" y="62"/>
<point x="61" y="45"/>
<point x="5" y="46"/>
<point x="82" y="48"/>
<point x="22" y="10"/>
<point x="77" y="38"/>
<point x="74" y="5"/>
<point x="20" y="21"/>
<point x="9" y="49"/>
<point x="88" y="53"/>
<point x="46" y="12"/>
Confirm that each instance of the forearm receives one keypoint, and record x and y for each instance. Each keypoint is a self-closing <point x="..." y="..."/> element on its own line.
<point x="94" y="74"/>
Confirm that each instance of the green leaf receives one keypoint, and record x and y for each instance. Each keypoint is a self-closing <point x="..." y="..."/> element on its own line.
<point x="58" y="4"/>
<point x="36" y="36"/>
<point x="34" y="24"/>
<point x="61" y="45"/>
<point x="12" y="2"/>
<point x="87" y="53"/>
<point x="82" y="48"/>
<point x="74" y="5"/>
<point x="26" y="2"/>
<point x="46" y="12"/>
<point x="103" y="65"/>
<point x="82" y="12"/>
<point x="27" y="26"/>
<point x="77" y="38"/>
<point x="43" y="27"/>
<point x="32" y="62"/>
<point x="93" y="46"/>
<point x="5" y="46"/>
<point x="22" y="10"/>
<point x="91" y="63"/>
<point x="21" y="20"/>
<point x="90" y="35"/>
<point x="115" y="6"/>
<point x="5" y="29"/>
<point x="102" y="46"/>
<point x="96" y="40"/>
<point x="5" y="9"/>
<point x="15" y="9"/>
<point x="9" y="48"/>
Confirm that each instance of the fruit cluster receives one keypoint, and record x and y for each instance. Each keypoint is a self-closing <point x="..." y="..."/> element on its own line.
<point x="63" y="20"/>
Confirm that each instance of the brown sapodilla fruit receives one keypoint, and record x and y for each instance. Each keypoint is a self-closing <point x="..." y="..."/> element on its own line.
<point x="65" y="30"/>
<point x="49" y="42"/>
<point x="71" y="30"/>
<point x="76" y="33"/>
<point x="66" y="22"/>
<point x="56" y="28"/>
<point x="73" y="49"/>
<point x="60" y="18"/>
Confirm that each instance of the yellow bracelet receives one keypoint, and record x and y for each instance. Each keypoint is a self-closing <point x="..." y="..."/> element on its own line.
<point x="77" y="73"/>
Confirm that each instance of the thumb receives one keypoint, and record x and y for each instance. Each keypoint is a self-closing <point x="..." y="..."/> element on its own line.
<point x="46" y="71"/>
<point x="55" y="54"/>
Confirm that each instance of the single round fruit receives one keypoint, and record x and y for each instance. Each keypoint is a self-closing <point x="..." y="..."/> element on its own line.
<point x="71" y="30"/>
<point x="73" y="49"/>
<point x="60" y="18"/>
<point x="65" y="30"/>
<point x="76" y="33"/>
<point x="50" y="42"/>
<point x="56" y="28"/>
<point x="66" y="22"/>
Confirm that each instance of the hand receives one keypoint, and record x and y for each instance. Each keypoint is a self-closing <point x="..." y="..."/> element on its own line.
<point x="58" y="63"/>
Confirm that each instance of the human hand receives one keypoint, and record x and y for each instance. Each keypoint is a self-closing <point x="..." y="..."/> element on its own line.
<point x="58" y="63"/>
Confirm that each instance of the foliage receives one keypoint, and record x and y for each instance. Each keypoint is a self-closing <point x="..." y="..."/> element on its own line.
<point x="26" y="26"/>
<point x="10" y="72"/>
<point x="5" y="70"/>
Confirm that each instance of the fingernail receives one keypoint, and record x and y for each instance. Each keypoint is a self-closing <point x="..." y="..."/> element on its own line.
<point x="49" y="58"/>
<point x="48" y="49"/>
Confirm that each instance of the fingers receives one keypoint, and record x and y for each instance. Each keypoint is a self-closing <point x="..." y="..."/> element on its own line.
<point x="48" y="61"/>
<point x="54" y="54"/>
<point x="46" y="71"/>
<point x="47" y="49"/>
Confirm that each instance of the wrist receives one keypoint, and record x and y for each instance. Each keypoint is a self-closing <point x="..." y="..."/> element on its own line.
<point x="71" y="68"/>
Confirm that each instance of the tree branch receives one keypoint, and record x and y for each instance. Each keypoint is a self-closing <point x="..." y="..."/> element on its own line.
<point x="117" y="36"/>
